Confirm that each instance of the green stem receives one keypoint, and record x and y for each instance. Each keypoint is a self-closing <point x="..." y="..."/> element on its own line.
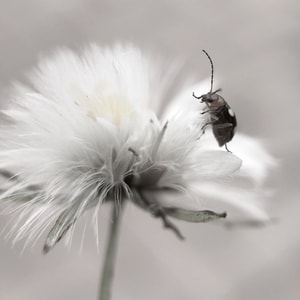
<point x="110" y="254"/>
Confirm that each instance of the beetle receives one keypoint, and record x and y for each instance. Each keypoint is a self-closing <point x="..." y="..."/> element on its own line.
<point x="222" y="118"/>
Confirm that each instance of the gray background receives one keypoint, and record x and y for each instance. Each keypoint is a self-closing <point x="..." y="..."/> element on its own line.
<point x="255" y="46"/>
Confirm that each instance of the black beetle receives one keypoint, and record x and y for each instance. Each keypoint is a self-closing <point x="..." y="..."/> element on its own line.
<point x="222" y="117"/>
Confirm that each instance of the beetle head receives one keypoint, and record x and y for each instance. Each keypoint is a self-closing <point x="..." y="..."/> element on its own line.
<point x="210" y="97"/>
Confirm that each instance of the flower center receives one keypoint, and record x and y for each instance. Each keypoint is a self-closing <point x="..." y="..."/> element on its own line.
<point x="104" y="103"/>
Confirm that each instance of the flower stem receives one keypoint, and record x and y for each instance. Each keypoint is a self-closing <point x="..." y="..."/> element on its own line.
<point x="110" y="254"/>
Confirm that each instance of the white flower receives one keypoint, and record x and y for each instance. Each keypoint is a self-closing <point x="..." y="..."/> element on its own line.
<point x="86" y="131"/>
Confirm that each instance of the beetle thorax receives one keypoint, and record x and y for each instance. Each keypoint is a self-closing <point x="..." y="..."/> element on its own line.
<point x="213" y="100"/>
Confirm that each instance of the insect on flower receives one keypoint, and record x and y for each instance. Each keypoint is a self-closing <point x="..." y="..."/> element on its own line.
<point x="222" y="117"/>
<point x="87" y="132"/>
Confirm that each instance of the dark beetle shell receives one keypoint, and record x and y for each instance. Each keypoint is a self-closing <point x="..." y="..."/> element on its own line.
<point x="224" y="125"/>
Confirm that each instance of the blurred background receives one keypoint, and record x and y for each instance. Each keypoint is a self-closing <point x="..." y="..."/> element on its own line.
<point x="255" y="46"/>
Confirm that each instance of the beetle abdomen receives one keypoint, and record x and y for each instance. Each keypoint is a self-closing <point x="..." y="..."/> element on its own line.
<point x="224" y="125"/>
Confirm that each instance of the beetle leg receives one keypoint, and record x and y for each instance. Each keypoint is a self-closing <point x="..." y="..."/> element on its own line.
<point x="213" y="111"/>
<point x="224" y="125"/>
<point x="205" y="125"/>
<point x="205" y="111"/>
<point x="210" y="111"/>
<point x="227" y="148"/>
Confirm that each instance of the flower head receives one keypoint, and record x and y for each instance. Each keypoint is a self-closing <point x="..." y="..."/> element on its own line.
<point x="86" y="131"/>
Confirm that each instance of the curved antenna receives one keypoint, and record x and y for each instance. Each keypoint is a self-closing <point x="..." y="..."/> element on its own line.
<point x="212" y="70"/>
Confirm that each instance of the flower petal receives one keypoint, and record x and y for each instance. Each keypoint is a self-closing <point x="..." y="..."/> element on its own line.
<point x="62" y="225"/>
<point x="234" y="200"/>
<point x="257" y="161"/>
<point x="214" y="164"/>
<point x="200" y="216"/>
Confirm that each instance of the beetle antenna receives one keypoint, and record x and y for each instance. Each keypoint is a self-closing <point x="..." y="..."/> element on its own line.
<point x="212" y="70"/>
